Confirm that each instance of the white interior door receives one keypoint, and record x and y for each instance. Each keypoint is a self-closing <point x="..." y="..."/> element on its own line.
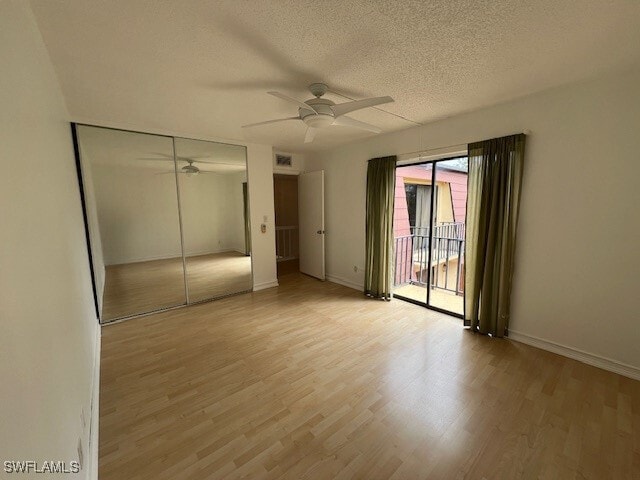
<point x="311" y="222"/>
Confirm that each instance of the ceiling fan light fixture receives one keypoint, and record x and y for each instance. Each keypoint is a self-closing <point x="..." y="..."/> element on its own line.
<point x="318" y="121"/>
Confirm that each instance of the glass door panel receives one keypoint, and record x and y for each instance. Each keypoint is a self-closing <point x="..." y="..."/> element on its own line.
<point x="411" y="223"/>
<point x="213" y="204"/>
<point x="448" y="237"/>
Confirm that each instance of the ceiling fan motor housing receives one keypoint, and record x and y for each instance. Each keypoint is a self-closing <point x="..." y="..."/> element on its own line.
<point x="190" y="169"/>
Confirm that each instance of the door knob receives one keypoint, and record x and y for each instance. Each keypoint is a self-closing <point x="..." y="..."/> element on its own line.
<point x="320" y="232"/>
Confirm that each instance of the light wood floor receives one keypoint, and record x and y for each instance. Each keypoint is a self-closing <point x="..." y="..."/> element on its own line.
<point x="439" y="298"/>
<point x="312" y="380"/>
<point x="141" y="287"/>
<point x="210" y="276"/>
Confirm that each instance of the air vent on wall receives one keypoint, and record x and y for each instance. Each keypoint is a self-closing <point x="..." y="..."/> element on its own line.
<point x="283" y="160"/>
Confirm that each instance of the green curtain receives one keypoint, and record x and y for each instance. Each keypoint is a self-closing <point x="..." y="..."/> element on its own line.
<point x="381" y="186"/>
<point x="493" y="200"/>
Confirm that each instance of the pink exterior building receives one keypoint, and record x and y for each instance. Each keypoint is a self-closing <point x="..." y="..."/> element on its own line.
<point x="453" y="182"/>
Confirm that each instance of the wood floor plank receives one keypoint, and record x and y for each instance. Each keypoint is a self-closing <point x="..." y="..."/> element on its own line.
<point x="312" y="380"/>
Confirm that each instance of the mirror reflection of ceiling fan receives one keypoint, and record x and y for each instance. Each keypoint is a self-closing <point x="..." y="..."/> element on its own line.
<point x="320" y="112"/>
<point x="190" y="169"/>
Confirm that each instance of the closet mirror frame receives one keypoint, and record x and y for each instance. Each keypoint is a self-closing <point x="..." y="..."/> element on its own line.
<point x="83" y="201"/>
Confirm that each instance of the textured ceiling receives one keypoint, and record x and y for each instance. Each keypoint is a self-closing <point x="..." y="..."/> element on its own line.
<point x="203" y="67"/>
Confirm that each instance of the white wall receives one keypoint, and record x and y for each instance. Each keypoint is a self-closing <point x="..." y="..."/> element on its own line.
<point x="137" y="213"/>
<point x="212" y="212"/>
<point x="47" y="319"/>
<point x="577" y="264"/>
<point x="263" y="245"/>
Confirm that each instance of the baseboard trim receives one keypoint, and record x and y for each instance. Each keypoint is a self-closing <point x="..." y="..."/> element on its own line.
<point x="94" y="425"/>
<point x="579" y="355"/>
<point x="346" y="283"/>
<point x="265" y="285"/>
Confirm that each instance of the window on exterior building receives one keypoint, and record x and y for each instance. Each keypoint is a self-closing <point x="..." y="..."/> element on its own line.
<point x="410" y="191"/>
<point x="419" y="207"/>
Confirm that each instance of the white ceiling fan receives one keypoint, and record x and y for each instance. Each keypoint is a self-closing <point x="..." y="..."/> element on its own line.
<point x="321" y="112"/>
<point x="190" y="169"/>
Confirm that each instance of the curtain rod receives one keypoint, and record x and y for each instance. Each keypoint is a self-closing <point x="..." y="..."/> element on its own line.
<point x="420" y="152"/>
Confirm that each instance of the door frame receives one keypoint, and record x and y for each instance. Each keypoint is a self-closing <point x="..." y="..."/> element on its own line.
<point x="286" y="177"/>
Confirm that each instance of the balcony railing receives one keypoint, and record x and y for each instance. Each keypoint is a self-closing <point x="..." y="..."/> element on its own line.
<point x="447" y="257"/>
<point x="286" y="243"/>
<point x="443" y="229"/>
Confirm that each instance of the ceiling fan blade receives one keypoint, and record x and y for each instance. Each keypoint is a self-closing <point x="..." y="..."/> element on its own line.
<point x="171" y="172"/>
<point x="347" y="107"/>
<point x="293" y="100"/>
<point x="351" y="122"/>
<point x="310" y="135"/>
<point x="156" y="159"/>
<point x="170" y="158"/>
<point x="193" y="158"/>
<point x="270" y="121"/>
<point x="215" y="163"/>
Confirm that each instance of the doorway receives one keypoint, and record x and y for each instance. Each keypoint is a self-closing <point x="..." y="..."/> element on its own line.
<point x="429" y="234"/>
<point x="285" y="191"/>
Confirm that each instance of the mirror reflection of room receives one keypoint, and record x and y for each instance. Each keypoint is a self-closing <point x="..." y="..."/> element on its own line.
<point x="132" y="212"/>
<point x="213" y="203"/>
<point x="163" y="233"/>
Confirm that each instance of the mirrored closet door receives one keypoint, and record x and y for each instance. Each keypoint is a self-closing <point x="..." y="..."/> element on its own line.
<point x="210" y="179"/>
<point x="166" y="217"/>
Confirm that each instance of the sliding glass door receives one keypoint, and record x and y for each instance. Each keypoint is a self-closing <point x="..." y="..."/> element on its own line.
<point x="429" y="231"/>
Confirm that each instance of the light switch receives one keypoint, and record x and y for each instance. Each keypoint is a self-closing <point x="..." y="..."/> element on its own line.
<point x="264" y="219"/>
